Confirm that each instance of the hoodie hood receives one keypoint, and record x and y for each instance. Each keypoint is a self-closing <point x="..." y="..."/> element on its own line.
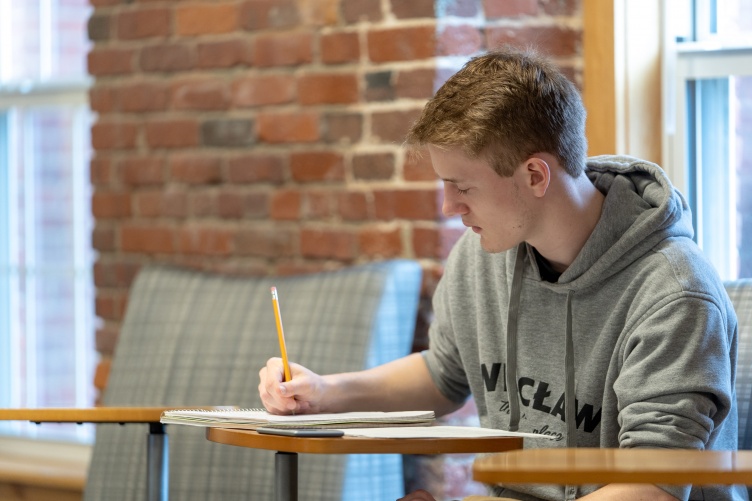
<point x="641" y="208"/>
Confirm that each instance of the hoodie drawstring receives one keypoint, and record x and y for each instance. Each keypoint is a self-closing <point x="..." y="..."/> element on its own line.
<point x="570" y="410"/>
<point x="512" y="316"/>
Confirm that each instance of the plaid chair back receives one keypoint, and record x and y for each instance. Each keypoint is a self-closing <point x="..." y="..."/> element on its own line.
<point x="193" y="338"/>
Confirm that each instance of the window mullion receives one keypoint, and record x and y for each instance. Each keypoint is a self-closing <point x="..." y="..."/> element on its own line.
<point x="30" y="265"/>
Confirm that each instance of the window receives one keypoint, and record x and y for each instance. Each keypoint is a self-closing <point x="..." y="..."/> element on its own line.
<point x="708" y="123"/>
<point x="46" y="288"/>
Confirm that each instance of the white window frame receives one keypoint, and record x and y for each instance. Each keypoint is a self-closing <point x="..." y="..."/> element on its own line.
<point x="684" y="63"/>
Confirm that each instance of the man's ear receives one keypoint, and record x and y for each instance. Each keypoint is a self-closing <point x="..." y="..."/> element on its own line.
<point x="538" y="175"/>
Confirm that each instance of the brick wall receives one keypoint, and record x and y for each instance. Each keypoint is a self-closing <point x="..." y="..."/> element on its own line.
<point x="263" y="136"/>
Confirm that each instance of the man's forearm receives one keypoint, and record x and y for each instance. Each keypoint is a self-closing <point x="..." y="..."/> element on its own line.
<point x="404" y="384"/>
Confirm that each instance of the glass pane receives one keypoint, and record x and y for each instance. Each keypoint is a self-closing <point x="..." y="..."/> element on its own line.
<point x="44" y="40"/>
<point x="71" y="40"/>
<point x="719" y="126"/>
<point x="741" y="154"/>
<point x="24" y="40"/>
<point x="49" y="260"/>
<point x="734" y="18"/>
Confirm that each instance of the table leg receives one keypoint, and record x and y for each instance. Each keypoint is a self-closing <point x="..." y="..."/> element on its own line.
<point x="286" y="476"/>
<point x="157" y="463"/>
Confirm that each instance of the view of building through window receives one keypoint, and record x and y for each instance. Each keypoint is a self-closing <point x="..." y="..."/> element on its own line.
<point x="46" y="290"/>
<point x="710" y="133"/>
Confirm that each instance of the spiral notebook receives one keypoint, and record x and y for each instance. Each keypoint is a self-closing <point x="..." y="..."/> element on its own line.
<point x="254" y="418"/>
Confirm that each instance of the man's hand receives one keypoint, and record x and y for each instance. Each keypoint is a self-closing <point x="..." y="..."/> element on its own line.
<point x="301" y="395"/>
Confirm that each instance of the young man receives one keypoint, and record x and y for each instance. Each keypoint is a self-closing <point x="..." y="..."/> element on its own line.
<point x="576" y="306"/>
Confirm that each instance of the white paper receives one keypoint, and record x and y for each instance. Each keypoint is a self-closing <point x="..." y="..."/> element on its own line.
<point x="436" y="432"/>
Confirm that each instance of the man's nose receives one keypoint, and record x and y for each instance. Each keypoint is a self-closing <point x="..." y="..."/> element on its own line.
<point x="451" y="206"/>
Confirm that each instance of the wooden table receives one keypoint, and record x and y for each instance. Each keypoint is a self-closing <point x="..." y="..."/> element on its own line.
<point x="603" y="466"/>
<point x="286" y="458"/>
<point x="157" y="450"/>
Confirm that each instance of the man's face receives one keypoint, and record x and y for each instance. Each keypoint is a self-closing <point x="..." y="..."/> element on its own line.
<point x="494" y="207"/>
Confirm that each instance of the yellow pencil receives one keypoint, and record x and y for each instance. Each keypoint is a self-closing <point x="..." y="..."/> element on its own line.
<point x="281" y="334"/>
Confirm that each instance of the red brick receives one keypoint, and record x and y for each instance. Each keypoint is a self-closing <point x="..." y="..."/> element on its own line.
<point x="550" y="40"/>
<point x="338" y="48"/>
<point x="143" y="23"/>
<point x="256" y="168"/>
<point x="261" y="90"/>
<point x="408" y="204"/>
<point x="415" y="84"/>
<point x="392" y="126"/>
<point x="106" y="339"/>
<point x="413" y="9"/>
<point x="148" y="238"/>
<point x="343" y="127"/>
<point x="560" y="7"/>
<point x="113" y="135"/>
<point x="110" y="305"/>
<point x="202" y="203"/>
<point x="100" y="170"/>
<point x="510" y="8"/>
<point x="225" y="53"/>
<point x="106" y="61"/>
<point x="436" y="242"/>
<point x="373" y="166"/>
<point x="103" y="238"/>
<point x="283" y="49"/>
<point x="401" y="44"/>
<point x="176" y="133"/>
<point x="315" y="166"/>
<point x="147" y="203"/>
<point x="115" y="273"/>
<point x="361" y="10"/>
<point x="300" y="127"/>
<point x="110" y="204"/>
<point x="353" y="206"/>
<point x="459" y="40"/>
<point x="206" y="241"/>
<point x="142" y="170"/>
<point x="102" y="99"/>
<point x="262" y="14"/>
<point x="174" y="204"/>
<point x="418" y="168"/>
<point x="143" y="96"/>
<point x="102" y="371"/>
<point x="234" y="204"/>
<point x="327" y="89"/>
<point x="285" y="205"/>
<point x="318" y="205"/>
<point x="193" y="169"/>
<point x="327" y="243"/>
<point x="320" y="13"/>
<point x="380" y="242"/>
<point x="200" y="94"/>
<point x="206" y="19"/>
<point x="168" y="57"/>
<point x="273" y="242"/>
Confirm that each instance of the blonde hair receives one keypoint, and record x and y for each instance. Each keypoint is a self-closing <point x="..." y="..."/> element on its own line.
<point x="504" y="106"/>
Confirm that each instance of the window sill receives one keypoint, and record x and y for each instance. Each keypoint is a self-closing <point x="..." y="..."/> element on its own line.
<point x="38" y="463"/>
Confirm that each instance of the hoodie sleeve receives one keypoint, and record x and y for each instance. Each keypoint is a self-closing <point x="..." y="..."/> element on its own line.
<point x="676" y="382"/>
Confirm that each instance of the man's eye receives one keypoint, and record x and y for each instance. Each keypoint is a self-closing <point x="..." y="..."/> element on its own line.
<point x="462" y="192"/>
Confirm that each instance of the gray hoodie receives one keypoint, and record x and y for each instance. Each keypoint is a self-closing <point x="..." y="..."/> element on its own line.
<point x="633" y="346"/>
